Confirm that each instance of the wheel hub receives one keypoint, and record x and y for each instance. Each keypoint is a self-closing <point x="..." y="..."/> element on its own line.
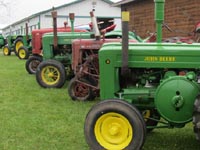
<point x="81" y="90"/>
<point x="114" y="129"/>
<point x="33" y="65"/>
<point x="50" y="75"/>
<point x="6" y="51"/>
<point x="22" y="54"/>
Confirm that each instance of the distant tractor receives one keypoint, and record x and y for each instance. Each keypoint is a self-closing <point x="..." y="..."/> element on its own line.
<point x="7" y="48"/>
<point x="140" y="83"/>
<point x="36" y="54"/>
<point x="19" y="44"/>
<point x="2" y="41"/>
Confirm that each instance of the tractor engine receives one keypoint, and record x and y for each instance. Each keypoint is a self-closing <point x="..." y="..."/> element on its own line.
<point x="171" y="91"/>
<point x="142" y="77"/>
<point x="62" y="50"/>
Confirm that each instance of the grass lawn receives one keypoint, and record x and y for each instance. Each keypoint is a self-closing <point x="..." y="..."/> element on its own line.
<point x="34" y="118"/>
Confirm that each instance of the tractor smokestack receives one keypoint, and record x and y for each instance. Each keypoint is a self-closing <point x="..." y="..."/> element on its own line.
<point x="27" y="37"/>
<point x="71" y="17"/>
<point x="95" y="26"/>
<point x="65" y="24"/>
<point x="159" y="18"/>
<point x="54" y="16"/>
<point x="125" y="21"/>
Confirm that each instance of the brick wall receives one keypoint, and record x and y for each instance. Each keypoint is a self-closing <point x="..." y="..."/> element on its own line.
<point x="180" y="15"/>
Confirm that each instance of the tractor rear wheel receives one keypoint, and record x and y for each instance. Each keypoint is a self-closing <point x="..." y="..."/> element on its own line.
<point x="32" y="64"/>
<point x="196" y="117"/>
<point x="23" y="53"/>
<point x="17" y="45"/>
<point x="6" y="50"/>
<point x="114" y="124"/>
<point x="51" y="74"/>
<point x="80" y="91"/>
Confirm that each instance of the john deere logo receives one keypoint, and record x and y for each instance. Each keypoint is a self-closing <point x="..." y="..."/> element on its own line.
<point x="160" y="58"/>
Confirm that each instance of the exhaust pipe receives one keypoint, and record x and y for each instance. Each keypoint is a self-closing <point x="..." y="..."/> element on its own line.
<point x="125" y="21"/>
<point x="159" y="18"/>
<point x="27" y="37"/>
<point x="71" y="17"/>
<point x="95" y="26"/>
<point x="55" y="39"/>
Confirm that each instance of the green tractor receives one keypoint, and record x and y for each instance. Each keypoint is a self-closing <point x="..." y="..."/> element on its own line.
<point x="56" y="65"/>
<point x="140" y="83"/>
<point x="19" y="44"/>
<point x="57" y="48"/>
<point x="7" y="48"/>
<point x="2" y="41"/>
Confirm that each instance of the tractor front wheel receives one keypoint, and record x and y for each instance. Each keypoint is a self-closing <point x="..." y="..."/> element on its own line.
<point x="51" y="74"/>
<point x="114" y="124"/>
<point x="79" y="89"/>
<point x="32" y="64"/>
<point x="23" y="53"/>
<point x="6" y="50"/>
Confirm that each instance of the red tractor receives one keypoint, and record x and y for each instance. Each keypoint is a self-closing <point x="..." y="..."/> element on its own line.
<point x="85" y="84"/>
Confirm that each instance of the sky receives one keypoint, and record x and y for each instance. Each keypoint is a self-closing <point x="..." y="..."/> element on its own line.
<point x="15" y="10"/>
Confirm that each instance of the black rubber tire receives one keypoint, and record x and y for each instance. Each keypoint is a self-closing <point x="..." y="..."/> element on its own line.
<point x="85" y="92"/>
<point x="23" y="53"/>
<point x="19" y="39"/>
<point x="6" y="50"/>
<point x="196" y="118"/>
<point x="32" y="63"/>
<point x="123" y="108"/>
<point x="57" y="71"/>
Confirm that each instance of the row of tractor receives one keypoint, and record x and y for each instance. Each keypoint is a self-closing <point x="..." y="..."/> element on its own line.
<point x="139" y="80"/>
<point x="59" y="53"/>
<point x="74" y="56"/>
<point x="19" y="44"/>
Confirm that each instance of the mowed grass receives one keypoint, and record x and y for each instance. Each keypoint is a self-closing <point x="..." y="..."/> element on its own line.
<point x="34" y="118"/>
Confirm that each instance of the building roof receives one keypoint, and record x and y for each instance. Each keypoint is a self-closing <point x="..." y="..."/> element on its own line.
<point x="76" y="1"/>
<point x="122" y="2"/>
<point x="45" y="11"/>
